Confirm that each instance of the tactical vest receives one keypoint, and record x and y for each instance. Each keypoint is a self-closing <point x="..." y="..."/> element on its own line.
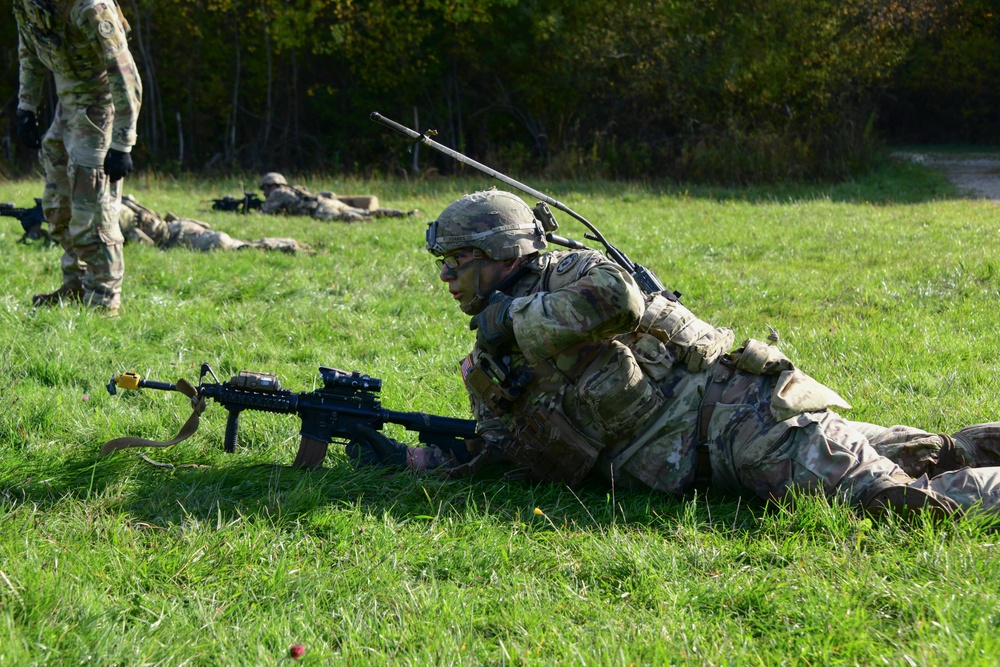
<point x="565" y="410"/>
<point x="629" y="402"/>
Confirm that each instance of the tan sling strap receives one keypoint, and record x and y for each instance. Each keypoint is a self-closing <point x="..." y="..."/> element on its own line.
<point x="190" y="426"/>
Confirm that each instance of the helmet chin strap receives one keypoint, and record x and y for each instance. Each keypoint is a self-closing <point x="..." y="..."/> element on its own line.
<point x="478" y="301"/>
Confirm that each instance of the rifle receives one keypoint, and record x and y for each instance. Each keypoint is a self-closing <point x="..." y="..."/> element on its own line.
<point x="31" y="220"/>
<point x="645" y="278"/>
<point x="332" y="412"/>
<point x="249" y="202"/>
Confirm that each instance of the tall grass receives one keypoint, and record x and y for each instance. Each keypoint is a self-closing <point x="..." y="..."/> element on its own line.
<point x="885" y="288"/>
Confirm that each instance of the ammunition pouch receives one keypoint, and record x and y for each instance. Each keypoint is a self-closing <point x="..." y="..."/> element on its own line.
<point x="698" y="343"/>
<point x="794" y="392"/>
<point x="545" y="443"/>
<point x="551" y="448"/>
<point x="759" y="358"/>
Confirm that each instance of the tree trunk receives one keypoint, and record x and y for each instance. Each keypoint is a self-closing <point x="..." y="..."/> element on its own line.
<point x="231" y="148"/>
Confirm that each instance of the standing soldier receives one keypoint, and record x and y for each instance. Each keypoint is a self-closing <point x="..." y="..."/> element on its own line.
<point x="85" y="152"/>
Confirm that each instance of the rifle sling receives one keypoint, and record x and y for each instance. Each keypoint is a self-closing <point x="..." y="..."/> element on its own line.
<point x="190" y="426"/>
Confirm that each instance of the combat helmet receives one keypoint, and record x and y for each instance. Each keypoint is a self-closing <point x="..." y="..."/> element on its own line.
<point x="498" y="223"/>
<point x="272" y="178"/>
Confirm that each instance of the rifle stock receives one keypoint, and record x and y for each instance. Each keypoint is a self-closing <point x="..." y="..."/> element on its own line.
<point x="31" y="220"/>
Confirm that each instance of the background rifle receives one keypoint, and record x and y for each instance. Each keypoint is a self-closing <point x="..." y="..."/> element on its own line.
<point x="31" y="220"/>
<point x="249" y="202"/>
<point x="645" y="278"/>
<point x="332" y="412"/>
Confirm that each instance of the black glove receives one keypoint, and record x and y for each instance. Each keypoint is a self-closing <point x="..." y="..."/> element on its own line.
<point x="369" y="447"/>
<point x="117" y="165"/>
<point x="27" y="129"/>
<point x="494" y="325"/>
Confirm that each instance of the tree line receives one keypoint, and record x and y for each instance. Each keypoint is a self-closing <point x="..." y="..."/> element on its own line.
<point x="731" y="91"/>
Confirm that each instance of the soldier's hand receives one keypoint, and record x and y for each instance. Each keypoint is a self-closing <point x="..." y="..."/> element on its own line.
<point x="369" y="447"/>
<point x="117" y="164"/>
<point x="493" y="325"/>
<point x="27" y="129"/>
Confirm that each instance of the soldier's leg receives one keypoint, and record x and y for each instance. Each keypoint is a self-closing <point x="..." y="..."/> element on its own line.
<point x="96" y="237"/>
<point x="970" y="488"/>
<point x="93" y="229"/>
<point x="57" y="205"/>
<point x="920" y="452"/>
<point x="811" y="452"/>
<point x="196" y="237"/>
<point x="282" y="244"/>
<point x="979" y="444"/>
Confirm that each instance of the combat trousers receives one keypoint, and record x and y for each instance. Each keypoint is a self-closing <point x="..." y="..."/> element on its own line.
<point x="81" y="204"/>
<point x="819" y="452"/>
<point x="920" y="452"/>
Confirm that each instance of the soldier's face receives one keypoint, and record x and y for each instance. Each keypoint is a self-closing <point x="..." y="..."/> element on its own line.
<point x="457" y="270"/>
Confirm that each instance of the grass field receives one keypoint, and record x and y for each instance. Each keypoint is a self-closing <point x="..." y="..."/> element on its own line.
<point x="885" y="288"/>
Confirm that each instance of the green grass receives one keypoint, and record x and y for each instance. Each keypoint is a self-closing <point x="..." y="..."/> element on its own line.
<point x="885" y="288"/>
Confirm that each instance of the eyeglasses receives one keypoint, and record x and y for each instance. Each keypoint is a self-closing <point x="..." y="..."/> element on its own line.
<point x="451" y="261"/>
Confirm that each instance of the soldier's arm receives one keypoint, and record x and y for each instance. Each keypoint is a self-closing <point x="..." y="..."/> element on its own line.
<point x="277" y="202"/>
<point x="31" y="74"/>
<point x="602" y="302"/>
<point x="100" y="20"/>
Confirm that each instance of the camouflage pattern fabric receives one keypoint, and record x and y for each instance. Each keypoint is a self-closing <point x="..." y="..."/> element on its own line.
<point x="143" y="225"/>
<point x="920" y="452"/>
<point x="297" y="200"/>
<point x="825" y="453"/>
<point x="83" y="44"/>
<point x="576" y="320"/>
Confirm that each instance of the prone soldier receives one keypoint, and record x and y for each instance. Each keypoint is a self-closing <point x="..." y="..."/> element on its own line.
<point x="576" y="373"/>
<point x="146" y="226"/>
<point x="280" y="198"/>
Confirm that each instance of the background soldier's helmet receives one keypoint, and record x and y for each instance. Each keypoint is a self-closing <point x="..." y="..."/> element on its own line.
<point x="272" y="178"/>
<point x="497" y="222"/>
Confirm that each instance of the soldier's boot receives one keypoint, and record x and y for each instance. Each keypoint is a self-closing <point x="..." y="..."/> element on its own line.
<point x="894" y="495"/>
<point x="64" y="294"/>
<point x="979" y="445"/>
<point x="106" y="312"/>
<point x="393" y="213"/>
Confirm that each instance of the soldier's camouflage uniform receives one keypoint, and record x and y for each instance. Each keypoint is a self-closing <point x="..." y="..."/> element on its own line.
<point x="143" y="225"/>
<point x="641" y="391"/>
<point x="296" y="200"/>
<point x="83" y="44"/>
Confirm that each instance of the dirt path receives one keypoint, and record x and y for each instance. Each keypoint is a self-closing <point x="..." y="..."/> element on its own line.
<point x="976" y="175"/>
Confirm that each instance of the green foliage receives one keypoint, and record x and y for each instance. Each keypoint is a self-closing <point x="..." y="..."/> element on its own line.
<point x="724" y="91"/>
<point x="947" y="91"/>
<point x="882" y="287"/>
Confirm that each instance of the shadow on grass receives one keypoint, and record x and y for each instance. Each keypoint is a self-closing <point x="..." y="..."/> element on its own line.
<point x="126" y="484"/>
<point x="281" y="495"/>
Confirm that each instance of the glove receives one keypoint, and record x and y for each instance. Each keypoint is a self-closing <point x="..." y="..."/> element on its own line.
<point x="117" y="164"/>
<point x="368" y="447"/>
<point x="27" y="128"/>
<point x="493" y="324"/>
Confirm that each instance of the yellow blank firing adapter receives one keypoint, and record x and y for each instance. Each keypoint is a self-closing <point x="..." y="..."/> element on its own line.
<point x="128" y="380"/>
